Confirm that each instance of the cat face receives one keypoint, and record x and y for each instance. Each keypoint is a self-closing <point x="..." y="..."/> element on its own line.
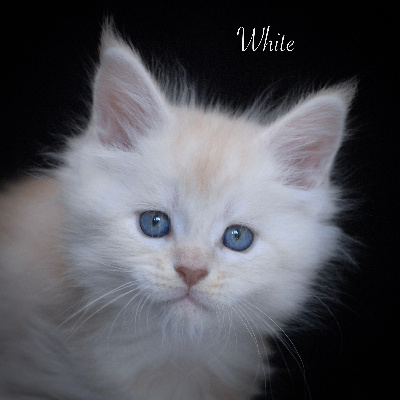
<point x="196" y="214"/>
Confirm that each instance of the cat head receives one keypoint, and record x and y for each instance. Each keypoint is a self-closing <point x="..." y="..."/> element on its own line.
<point x="194" y="212"/>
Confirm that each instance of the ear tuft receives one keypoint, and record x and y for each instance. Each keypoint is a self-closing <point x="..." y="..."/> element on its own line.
<point x="126" y="101"/>
<point x="306" y="140"/>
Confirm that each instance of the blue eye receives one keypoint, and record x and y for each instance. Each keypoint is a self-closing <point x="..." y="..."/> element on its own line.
<point x="154" y="223"/>
<point x="237" y="237"/>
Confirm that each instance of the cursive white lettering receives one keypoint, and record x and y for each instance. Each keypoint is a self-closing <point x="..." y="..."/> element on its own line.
<point x="271" y="45"/>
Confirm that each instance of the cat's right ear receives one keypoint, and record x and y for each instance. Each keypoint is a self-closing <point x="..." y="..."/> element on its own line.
<point x="126" y="100"/>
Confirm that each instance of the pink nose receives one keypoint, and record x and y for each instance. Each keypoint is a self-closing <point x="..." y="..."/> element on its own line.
<point x="191" y="276"/>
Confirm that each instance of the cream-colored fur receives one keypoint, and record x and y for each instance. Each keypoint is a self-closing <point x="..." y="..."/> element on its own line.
<point x="92" y="308"/>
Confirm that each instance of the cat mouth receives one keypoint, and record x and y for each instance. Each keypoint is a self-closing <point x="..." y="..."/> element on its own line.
<point x="189" y="302"/>
<point x="187" y="299"/>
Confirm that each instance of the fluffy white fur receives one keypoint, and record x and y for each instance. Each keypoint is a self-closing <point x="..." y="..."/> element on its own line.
<point x="92" y="308"/>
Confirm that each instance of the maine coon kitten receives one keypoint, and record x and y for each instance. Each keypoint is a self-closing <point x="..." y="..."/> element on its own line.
<point x="173" y="239"/>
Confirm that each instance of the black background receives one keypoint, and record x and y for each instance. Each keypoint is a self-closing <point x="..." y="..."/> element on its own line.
<point x="48" y="53"/>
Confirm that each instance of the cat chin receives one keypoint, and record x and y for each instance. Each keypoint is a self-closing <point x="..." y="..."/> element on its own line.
<point x="185" y="320"/>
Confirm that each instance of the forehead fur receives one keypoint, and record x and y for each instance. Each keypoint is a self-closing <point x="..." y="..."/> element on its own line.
<point x="211" y="151"/>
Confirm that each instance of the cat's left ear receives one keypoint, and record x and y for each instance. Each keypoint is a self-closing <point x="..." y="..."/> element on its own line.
<point x="306" y="139"/>
<point x="126" y="101"/>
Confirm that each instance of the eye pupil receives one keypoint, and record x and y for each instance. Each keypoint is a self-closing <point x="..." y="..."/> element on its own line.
<point x="237" y="237"/>
<point x="156" y="220"/>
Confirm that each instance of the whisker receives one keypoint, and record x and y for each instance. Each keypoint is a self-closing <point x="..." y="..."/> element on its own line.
<point x="124" y="308"/>
<point x="244" y="315"/>
<point x="279" y="329"/>
<point x="141" y="309"/>
<point x="222" y="313"/>
<point x="262" y="339"/>
<point x="334" y="318"/>
<point x="138" y="312"/>
<point x="103" y="307"/>
<point x="285" y="340"/>
<point x="97" y="299"/>
<point x="148" y="312"/>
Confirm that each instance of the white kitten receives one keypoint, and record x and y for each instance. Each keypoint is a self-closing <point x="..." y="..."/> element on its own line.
<point x="173" y="239"/>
